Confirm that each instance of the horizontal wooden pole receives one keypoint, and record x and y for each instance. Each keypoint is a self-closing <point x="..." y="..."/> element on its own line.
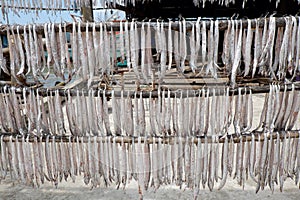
<point x="258" y="136"/>
<point x="115" y="26"/>
<point x="220" y="90"/>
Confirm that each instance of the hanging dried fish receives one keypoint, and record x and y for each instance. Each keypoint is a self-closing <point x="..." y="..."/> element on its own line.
<point x="267" y="46"/>
<point x="136" y="116"/>
<point x="216" y="45"/>
<point x="105" y="114"/>
<point x="140" y="168"/>
<point x="163" y="53"/>
<point x="198" y="40"/>
<point x="13" y="57"/>
<point x="237" y="57"/>
<point x="29" y="163"/>
<point x="257" y="47"/>
<point x="83" y="66"/>
<point x="284" y="49"/>
<point x="198" y="168"/>
<point x="224" y="164"/>
<point x="121" y="39"/>
<point x="17" y="111"/>
<point x="143" y="53"/>
<point x="129" y="116"/>
<point x="55" y="51"/>
<point x="127" y="45"/>
<point x="180" y="169"/>
<point x="170" y="45"/>
<point x="133" y="50"/>
<point x="205" y="161"/>
<point x="233" y="42"/>
<point x="123" y="162"/>
<point x="59" y="114"/>
<point x="62" y="43"/>
<point x="176" y="47"/>
<point x="116" y="115"/>
<point x="113" y="50"/>
<point x="183" y="47"/>
<point x="149" y="57"/>
<point x="116" y="163"/>
<point x="226" y="46"/>
<point x="248" y="47"/>
<point x="297" y="65"/>
<point x="193" y="49"/>
<point x="291" y="51"/>
<point x="203" y="44"/>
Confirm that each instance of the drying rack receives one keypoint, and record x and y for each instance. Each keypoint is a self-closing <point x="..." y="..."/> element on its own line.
<point x="182" y="153"/>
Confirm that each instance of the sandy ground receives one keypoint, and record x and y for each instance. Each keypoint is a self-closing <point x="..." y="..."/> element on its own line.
<point x="78" y="190"/>
<point x="69" y="190"/>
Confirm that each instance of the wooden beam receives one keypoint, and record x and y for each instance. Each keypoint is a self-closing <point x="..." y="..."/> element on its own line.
<point x="115" y="26"/>
<point x="221" y="90"/>
<point x="87" y="12"/>
<point x="258" y="136"/>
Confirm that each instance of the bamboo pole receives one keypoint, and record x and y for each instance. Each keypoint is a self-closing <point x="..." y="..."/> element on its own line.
<point x="115" y="26"/>
<point x="87" y="11"/>
<point x="258" y="136"/>
<point x="221" y="90"/>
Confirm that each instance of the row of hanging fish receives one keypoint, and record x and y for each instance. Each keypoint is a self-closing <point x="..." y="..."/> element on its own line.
<point x="267" y="162"/>
<point x="280" y="110"/>
<point x="211" y="111"/>
<point x="269" y="51"/>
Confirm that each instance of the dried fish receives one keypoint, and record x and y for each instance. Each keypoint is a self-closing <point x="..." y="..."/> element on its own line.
<point x="248" y="47"/>
<point x="257" y="47"/>
<point x="129" y="116"/>
<point x="55" y="51"/>
<point x="205" y="161"/>
<point x="116" y="115"/>
<point x="237" y="57"/>
<point x="122" y="45"/>
<point x="127" y="45"/>
<point x="21" y="162"/>
<point x="36" y="159"/>
<point x="224" y="163"/>
<point x="149" y="57"/>
<point x="203" y="44"/>
<point x="143" y="53"/>
<point x="4" y="159"/>
<point x="141" y="116"/>
<point x="170" y="45"/>
<point x="193" y="49"/>
<point x="136" y="116"/>
<point x="140" y="168"/>
<point x="284" y="49"/>
<point x="216" y="46"/>
<point x="83" y="66"/>
<point x="226" y="46"/>
<point x="297" y="65"/>
<point x="163" y="53"/>
<point x="133" y="50"/>
<point x="123" y="163"/>
<point x="183" y="47"/>
<point x="198" y="168"/>
<point x="176" y="48"/>
<point x="211" y="166"/>
<point x="271" y="155"/>
<point x="105" y="114"/>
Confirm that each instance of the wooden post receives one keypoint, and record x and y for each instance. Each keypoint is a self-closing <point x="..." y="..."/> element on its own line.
<point x="87" y="12"/>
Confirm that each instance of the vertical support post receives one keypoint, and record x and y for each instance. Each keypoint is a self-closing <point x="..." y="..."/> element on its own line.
<point x="87" y="12"/>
